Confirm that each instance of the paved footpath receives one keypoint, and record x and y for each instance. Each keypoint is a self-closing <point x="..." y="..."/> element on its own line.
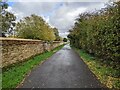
<point x="64" y="69"/>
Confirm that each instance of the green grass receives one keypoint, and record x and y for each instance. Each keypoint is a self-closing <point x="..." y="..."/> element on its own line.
<point x="12" y="76"/>
<point x="107" y="75"/>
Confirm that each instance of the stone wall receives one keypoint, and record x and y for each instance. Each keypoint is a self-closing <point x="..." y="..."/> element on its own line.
<point x="17" y="50"/>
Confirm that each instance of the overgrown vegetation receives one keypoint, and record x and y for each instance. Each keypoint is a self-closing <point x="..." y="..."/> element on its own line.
<point x="12" y="76"/>
<point x="106" y="74"/>
<point x="98" y="34"/>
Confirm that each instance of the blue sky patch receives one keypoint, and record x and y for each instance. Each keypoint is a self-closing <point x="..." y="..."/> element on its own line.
<point x="10" y="2"/>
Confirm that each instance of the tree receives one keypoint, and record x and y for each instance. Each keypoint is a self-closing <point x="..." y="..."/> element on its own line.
<point x="34" y="27"/>
<point x="7" y="19"/>
<point x="65" y="39"/>
<point x="56" y="34"/>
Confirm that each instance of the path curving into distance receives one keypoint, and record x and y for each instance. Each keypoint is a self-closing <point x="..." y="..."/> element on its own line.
<point x="64" y="69"/>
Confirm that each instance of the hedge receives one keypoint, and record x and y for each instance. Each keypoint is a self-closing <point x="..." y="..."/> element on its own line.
<point x="98" y="34"/>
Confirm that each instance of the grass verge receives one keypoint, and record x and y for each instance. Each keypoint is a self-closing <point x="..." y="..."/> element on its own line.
<point x="12" y="76"/>
<point x="104" y="73"/>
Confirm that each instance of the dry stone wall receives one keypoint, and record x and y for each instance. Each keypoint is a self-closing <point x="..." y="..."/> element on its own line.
<point x="17" y="50"/>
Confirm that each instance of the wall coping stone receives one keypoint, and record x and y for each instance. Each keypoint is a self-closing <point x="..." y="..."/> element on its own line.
<point x="18" y="39"/>
<point x="21" y="39"/>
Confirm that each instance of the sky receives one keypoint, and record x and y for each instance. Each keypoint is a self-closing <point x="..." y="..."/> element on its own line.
<point x="58" y="13"/>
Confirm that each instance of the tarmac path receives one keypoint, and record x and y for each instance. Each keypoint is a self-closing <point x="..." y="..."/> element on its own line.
<point x="64" y="69"/>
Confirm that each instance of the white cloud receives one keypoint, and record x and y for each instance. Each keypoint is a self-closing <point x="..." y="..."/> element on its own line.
<point x="76" y="12"/>
<point x="59" y="14"/>
<point x="9" y="9"/>
<point x="62" y="0"/>
<point x="64" y="34"/>
<point x="63" y="18"/>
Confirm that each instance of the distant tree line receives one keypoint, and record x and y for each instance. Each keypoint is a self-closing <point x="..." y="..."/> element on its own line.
<point x="98" y="33"/>
<point x="65" y="39"/>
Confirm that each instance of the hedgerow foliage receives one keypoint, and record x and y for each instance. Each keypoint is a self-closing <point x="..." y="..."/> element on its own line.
<point x="98" y="33"/>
